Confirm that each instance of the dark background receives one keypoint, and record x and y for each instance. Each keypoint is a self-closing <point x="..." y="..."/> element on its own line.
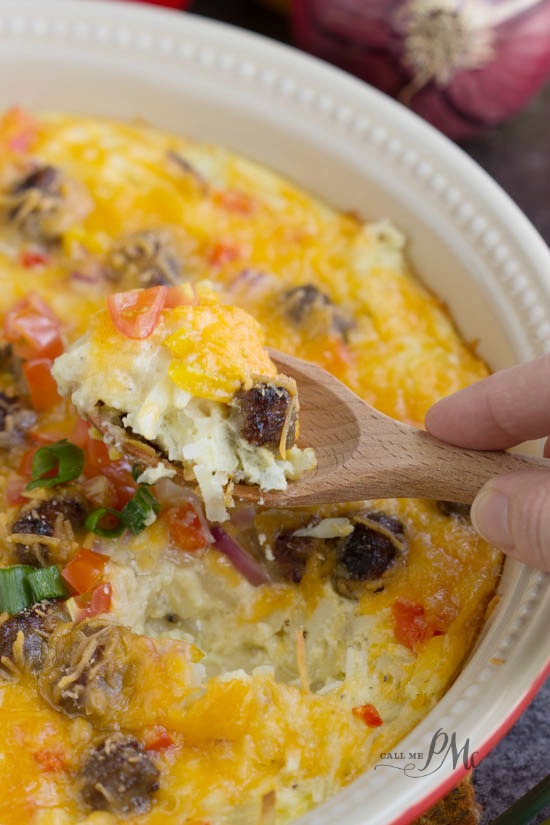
<point x="517" y="155"/>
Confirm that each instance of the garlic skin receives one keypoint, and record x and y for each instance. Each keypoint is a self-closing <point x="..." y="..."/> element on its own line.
<point x="463" y="65"/>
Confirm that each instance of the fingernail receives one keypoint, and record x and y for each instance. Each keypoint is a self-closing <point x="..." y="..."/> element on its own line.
<point x="490" y="517"/>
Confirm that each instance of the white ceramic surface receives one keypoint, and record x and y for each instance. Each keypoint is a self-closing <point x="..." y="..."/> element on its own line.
<point x="340" y="139"/>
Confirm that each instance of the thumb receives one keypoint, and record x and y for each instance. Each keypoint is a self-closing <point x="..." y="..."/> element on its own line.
<point x="513" y="512"/>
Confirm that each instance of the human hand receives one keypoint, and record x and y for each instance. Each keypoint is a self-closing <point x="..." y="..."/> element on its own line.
<point x="511" y="511"/>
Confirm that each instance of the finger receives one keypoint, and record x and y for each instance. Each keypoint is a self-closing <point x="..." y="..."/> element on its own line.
<point x="546" y="451"/>
<point x="508" y="407"/>
<point x="513" y="512"/>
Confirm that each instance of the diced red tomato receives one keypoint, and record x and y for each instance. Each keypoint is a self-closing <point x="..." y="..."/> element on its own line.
<point x="368" y="714"/>
<point x="31" y="258"/>
<point x="100" y="600"/>
<point x="27" y="459"/>
<point x="235" y="201"/>
<point x="14" y="490"/>
<point x="41" y="383"/>
<point x="51" y="761"/>
<point x="25" y="465"/>
<point x="223" y="253"/>
<point x="96" y="452"/>
<point x="84" y="570"/>
<point x="93" y="603"/>
<point x="412" y="628"/>
<point x="410" y="623"/>
<point x="337" y="357"/>
<point x="33" y="329"/>
<point x="96" y="457"/>
<point x="80" y="433"/>
<point x="135" y="313"/>
<point x="158" y="739"/>
<point x="119" y="474"/>
<point x="185" y="527"/>
<point x="18" y="130"/>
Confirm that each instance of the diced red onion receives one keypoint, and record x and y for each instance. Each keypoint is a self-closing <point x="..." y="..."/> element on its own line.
<point x="187" y="168"/>
<point x="253" y="281"/>
<point x="170" y="494"/>
<point x="100" y="491"/>
<point x="92" y="276"/>
<point x="84" y="277"/>
<point x="237" y="555"/>
<point x="243" y="517"/>
<point x="464" y="67"/>
<point x="207" y="533"/>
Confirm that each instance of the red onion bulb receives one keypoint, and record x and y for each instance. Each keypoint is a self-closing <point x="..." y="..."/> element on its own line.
<point x="463" y="65"/>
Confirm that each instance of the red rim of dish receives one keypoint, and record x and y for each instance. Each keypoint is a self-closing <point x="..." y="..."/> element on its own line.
<point x="452" y="781"/>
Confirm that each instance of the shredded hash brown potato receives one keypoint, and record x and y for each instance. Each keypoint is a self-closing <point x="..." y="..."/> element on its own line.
<point x="197" y="387"/>
<point x="202" y="673"/>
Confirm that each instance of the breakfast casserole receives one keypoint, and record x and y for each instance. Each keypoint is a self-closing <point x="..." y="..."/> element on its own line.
<point x="168" y="655"/>
<point x="195" y="385"/>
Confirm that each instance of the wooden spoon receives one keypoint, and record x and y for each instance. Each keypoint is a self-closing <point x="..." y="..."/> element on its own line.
<point x="362" y="453"/>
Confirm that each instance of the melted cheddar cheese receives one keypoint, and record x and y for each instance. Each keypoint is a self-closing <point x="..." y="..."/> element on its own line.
<point x="243" y="694"/>
<point x="216" y="351"/>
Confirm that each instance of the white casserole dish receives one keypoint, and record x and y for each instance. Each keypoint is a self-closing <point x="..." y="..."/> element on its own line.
<point x="358" y="150"/>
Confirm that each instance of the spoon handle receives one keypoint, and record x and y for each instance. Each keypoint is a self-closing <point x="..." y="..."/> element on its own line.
<point x="424" y="467"/>
<point x="364" y="454"/>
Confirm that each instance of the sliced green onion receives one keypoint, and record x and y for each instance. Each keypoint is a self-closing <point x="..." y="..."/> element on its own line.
<point x="137" y="470"/>
<point x="93" y="523"/>
<point x="46" y="583"/>
<point x="140" y="511"/>
<point x="15" y="593"/>
<point x="56" y="464"/>
<point x="135" y="516"/>
<point x="21" y="586"/>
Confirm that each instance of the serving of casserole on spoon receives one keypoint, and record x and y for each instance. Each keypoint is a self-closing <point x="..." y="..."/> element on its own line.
<point x="183" y="386"/>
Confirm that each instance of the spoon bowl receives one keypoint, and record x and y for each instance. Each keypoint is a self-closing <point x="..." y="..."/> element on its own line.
<point x="362" y="453"/>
